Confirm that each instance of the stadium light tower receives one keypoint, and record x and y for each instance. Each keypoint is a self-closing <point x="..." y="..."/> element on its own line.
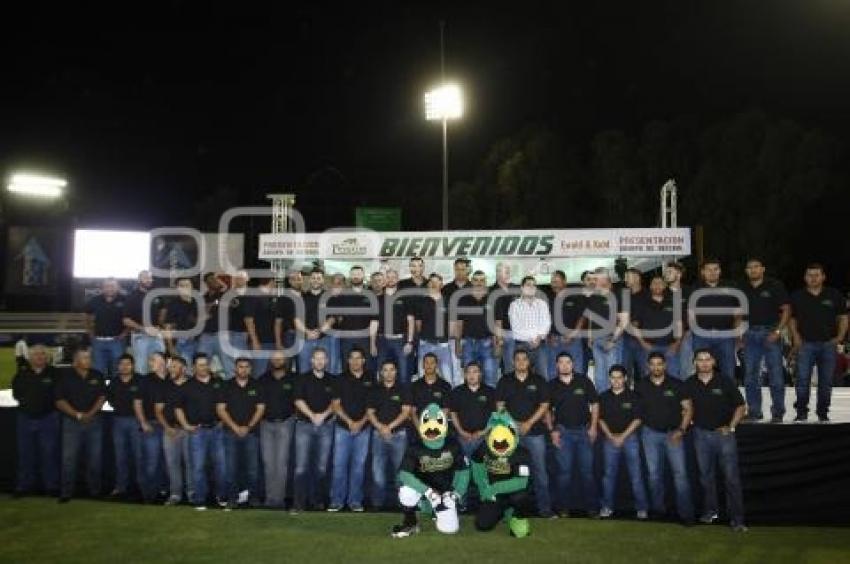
<point x="36" y="185"/>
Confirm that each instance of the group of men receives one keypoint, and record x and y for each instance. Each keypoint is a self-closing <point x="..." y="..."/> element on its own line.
<point x="321" y="374"/>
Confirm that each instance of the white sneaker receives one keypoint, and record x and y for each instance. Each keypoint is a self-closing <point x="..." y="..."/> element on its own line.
<point x="200" y="508"/>
<point x="173" y="500"/>
<point x="642" y="515"/>
<point x="606" y="513"/>
<point x="243" y="497"/>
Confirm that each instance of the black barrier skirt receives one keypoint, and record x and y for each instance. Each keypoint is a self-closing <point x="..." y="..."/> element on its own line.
<point x="791" y="474"/>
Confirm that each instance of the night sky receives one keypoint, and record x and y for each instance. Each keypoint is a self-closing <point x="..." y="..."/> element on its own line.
<point x="149" y="111"/>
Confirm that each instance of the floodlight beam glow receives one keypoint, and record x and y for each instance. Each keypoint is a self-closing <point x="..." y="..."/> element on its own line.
<point x="36" y="185"/>
<point x="444" y="103"/>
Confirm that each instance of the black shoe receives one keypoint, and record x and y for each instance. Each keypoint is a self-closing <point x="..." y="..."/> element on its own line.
<point x="753" y="418"/>
<point x="776" y="419"/>
<point x="823" y="418"/>
<point x="801" y="417"/>
<point x="402" y="531"/>
<point x="64" y="499"/>
<point x="689" y="523"/>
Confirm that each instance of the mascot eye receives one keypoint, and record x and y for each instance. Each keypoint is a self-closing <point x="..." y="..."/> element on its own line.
<point x="440" y="420"/>
<point x="425" y="418"/>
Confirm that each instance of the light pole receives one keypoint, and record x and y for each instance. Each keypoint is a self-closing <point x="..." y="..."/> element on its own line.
<point x="444" y="103"/>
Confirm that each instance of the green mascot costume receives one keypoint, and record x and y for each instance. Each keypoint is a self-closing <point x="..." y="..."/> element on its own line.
<point x="501" y="468"/>
<point x="434" y="474"/>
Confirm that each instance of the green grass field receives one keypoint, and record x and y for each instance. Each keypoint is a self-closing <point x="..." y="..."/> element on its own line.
<point x="38" y="530"/>
<point x="7" y="367"/>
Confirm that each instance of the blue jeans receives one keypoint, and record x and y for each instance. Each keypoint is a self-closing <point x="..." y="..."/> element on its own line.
<point x="105" y="353"/>
<point x="209" y="344"/>
<point x="538" y="357"/>
<point x="756" y="347"/>
<point x="631" y="448"/>
<point x="346" y="344"/>
<point x="481" y="351"/>
<point x="154" y="479"/>
<point x="308" y="346"/>
<point x="633" y="357"/>
<point x="87" y="437"/>
<point x="143" y="346"/>
<point x="384" y="451"/>
<point x="313" y="446"/>
<point x="576" y="446"/>
<point x="444" y="358"/>
<point x="242" y="453"/>
<point x="536" y="445"/>
<point x="335" y="363"/>
<point x="469" y="447"/>
<point x="672" y="360"/>
<point x="275" y="447"/>
<point x="711" y="447"/>
<point x="177" y="463"/>
<point x="260" y="359"/>
<point x="686" y="357"/>
<point x="186" y="349"/>
<point x="393" y="349"/>
<point x="508" y="349"/>
<point x="574" y="348"/>
<point x="723" y="350"/>
<point x="127" y="446"/>
<point x="239" y="341"/>
<point x="656" y="448"/>
<point x="824" y="355"/>
<point x="206" y="445"/>
<point x="38" y="451"/>
<point x="349" y="470"/>
<point x="604" y="359"/>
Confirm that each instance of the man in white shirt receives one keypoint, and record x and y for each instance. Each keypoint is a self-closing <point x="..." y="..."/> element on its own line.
<point x="530" y="324"/>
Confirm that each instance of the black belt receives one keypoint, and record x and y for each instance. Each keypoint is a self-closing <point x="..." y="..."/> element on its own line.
<point x="207" y="425"/>
<point x="277" y="420"/>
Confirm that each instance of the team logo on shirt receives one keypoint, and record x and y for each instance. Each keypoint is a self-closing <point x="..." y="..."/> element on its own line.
<point x="46" y="381"/>
<point x="578" y="392"/>
<point x="287" y="386"/>
<point x="497" y="466"/>
<point x="438" y="394"/>
<point x="439" y="464"/>
<point x="765" y="294"/>
<point x="252" y="392"/>
<point x="367" y="383"/>
<point x="93" y="381"/>
<point x="626" y="405"/>
<point x="134" y="388"/>
<point x="827" y="303"/>
<point x="482" y="399"/>
<point x="327" y="389"/>
<point x="669" y="393"/>
<point x="395" y="398"/>
<point x="717" y="392"/>
<point x="532" y="387"/>
<point x="667" y="308"/>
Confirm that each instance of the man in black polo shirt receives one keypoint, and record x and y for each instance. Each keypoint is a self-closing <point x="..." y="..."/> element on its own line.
<point x="37" y="424"/>
<point x="716" y="331"/>
<point x="240" y="407"/>
<point x="105" y="319"/>
<point x="475" y="341"/>
<point x="208" y="341"/>
<point x="237" y="344"/>
<point x="391" y="331"/>
<point x="417" y="283"/>
<point x="428" y="389"/>
<point x="181" y="320"/>
<point x="316" y="322"/>
<point x="314" y="433"/>
<point x="666" y="417"/>
<point x="175" y="443"/>
<point x="351" y="433"/>
<point x="525" y="396"/>
<point x="389" y="409"/>
<point x="818" y="326"/>
<point x="566" y="306"/>
<point x="154" y="479"/>
<point x="145" y="334"/>
<point x="354" y="309"/>
<point x="634" y="295"/>
<point x="573" y="426"/>
<point x="264" y="324"/>
<point x="680" y="294"/>
<point x="277" y="428"/>
<point x="470" y="406"/>
<point x="620" y="415"/>
<point x="718" y="408"/>
<point x="80" y="394"/>
<point x="658" y="328"/>
<point x="435" y="327"/>
<point x="606" y="325"/>
<point x="195" y="411"/>
<point x="769" y="314"/>
<point x="502" y="293"/>
<point x="126" y="438"/>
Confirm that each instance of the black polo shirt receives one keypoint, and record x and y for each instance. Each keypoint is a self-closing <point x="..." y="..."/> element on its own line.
<point x="133" y="306"/>
<point x="423" y="394"/>
<point x="633" y="301"/>
<point x="571" y="402"/>
<point x="182" y="314"/>
<point x="720" y="297"/>
<point x="316" y="392"/>
<point x="816" y="316"/>
<point x="475" y="324"/>
<point x="236" y="313"/>
<point x="682" y="295"/>
<point x="353" y="395"/>
<point x="241" y="401"/>
<point x="661" y="404"/>
<point x="120" y="395"/>
<point x="449" y="289"/>
<point x="400" y="308"/>
<point x="434" y="315"/>
<point x="473" y="408"/>
<point x="354" y="321"/>
<point x="211" y="300"/>
<point x="150" y="390"/>
<point x="198" y="401"/>
<point x="169" y="394"/>
<point x="606" y="306"/>
<point x="264" y="311"/>
<point x="35" y="391"/>
<point x="764" y="302"/>
<point x="285" y="309"/>
<point x="654" y="315"/>
<point x="502" y="303"/>
<point x="523" y="398"/>
<point x="571" y="310"/>
<point x="312" y="305"/>
<point x="619" y="410"/>
<point x="387" y="402"/>
<point x="279" y="395"/>
<point x="108" y="315"/>
<point x="714" y="402"/>
<point x="80" y="392"/>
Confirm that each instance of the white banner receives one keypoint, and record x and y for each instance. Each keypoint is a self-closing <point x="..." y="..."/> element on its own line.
<point x="365" y="244"/>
